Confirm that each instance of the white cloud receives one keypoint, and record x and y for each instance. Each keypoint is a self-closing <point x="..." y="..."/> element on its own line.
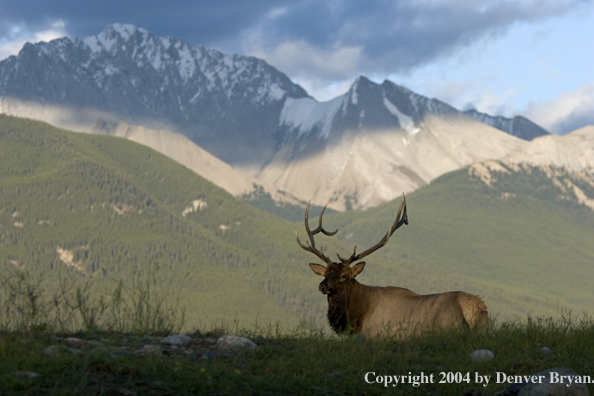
<point x="323" y="73"/>
<point x="569" y="111"/>
<point x="12" y="43"/>
<point x="299" y="58"/>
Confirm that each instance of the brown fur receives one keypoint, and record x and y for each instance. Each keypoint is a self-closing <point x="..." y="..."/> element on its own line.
<point x="374" y="311"/>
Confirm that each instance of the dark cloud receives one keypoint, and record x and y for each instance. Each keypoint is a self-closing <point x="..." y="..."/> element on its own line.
<point x="392" y="35"/>
<point x="398" y="35"/>
<point x="204" y="21"/>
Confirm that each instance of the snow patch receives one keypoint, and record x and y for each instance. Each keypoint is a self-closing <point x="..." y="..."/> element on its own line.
<point x="405" y="121"/>
<point x="275" y="92"/>
<point x="187" y="64"/>
<point x="125" y="30"/>
<point x="305" y="114"/>
<point x="354" y="94"/>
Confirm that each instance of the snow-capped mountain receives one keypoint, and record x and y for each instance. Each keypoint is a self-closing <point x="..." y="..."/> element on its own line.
<point x="128" y="74"/>
<point x="360" y="149"/>
<point x="375" y="142"/>
<point x="518" y="126"/>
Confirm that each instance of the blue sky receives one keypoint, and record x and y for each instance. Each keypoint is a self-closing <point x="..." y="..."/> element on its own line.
<point x="528" y="57"/>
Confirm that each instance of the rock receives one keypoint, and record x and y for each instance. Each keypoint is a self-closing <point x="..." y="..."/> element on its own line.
<point x="75" y="351"/>
<point x="193" y="333"/>
<point x="79" y="343"/>
<point x="207" y="356"/>
<point x="481" y="355"/>
<point x="154" y="349"/>
<point x="120" y="352"/>
<point x="176" y="340"/>
<point x="546" y="351"/>
<point x="28" y="374"/>
<point x="546" y="387"/>
<point x="52" y="350"/>
<point x="74" y="341"/>
<point x="127" y="392"/>
<point x="235" y="342"/>
<point x="148" y="337"/>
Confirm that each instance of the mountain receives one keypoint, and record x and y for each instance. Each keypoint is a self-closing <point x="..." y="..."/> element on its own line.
<point x="239" y="122"/>
<point x="518" y="126"/>
<point x="86" y="209"/>
<point x="227" y="104"/>
<point x="375" y="142"/>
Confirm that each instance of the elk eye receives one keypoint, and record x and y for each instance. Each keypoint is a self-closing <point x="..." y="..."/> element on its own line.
<point x="343" y="276"/>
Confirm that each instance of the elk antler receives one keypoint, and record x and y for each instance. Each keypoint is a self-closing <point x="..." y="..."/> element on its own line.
<point x="312" y="247"/>
<point x="400" y="220"/>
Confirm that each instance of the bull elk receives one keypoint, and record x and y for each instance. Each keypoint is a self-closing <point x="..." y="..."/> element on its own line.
<point x="373" y="310"/>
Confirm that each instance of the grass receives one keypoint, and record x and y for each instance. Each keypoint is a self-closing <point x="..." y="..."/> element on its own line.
<point x="298" y="363"/>
<point x="115" y="349"/>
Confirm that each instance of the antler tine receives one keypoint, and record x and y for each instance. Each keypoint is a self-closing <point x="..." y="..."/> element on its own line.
<point x="311" y="244"/>
<point x="320" y="225"/>
<point x="401" y="218"/>
<point x="349" y="260"/>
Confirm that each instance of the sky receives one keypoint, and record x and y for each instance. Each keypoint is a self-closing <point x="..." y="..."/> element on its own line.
<point x="525" y="57"/>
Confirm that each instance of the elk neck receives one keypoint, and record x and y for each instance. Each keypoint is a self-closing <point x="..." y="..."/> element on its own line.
<point x="347" y="308"/>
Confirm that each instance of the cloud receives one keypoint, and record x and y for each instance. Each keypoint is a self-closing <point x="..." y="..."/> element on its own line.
<point x="389" y="36"/>
<point x="18" y="35"/>
<point x="569" y="111"/>
<point x="200" y="22"/>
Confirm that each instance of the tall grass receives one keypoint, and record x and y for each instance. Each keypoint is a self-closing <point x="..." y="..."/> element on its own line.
<point x="146" y="305"/>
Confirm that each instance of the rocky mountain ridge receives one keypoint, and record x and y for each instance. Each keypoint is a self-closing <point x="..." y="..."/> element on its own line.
<point x="360" y="149"/>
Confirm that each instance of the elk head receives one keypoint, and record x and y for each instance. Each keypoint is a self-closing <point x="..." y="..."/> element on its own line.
<point x="339" y="277"/>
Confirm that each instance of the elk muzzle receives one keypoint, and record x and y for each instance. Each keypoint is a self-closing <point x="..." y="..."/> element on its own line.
<point x="325" y="288"/>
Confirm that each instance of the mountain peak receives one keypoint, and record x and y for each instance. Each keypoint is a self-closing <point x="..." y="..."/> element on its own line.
<point x="517" y="126"/>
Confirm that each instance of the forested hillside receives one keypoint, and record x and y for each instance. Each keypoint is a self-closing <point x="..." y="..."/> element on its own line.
<point x="85" y="209"/>
<point x="96" y="209"/>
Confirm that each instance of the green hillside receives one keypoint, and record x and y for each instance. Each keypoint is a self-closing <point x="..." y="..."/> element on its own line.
<point x="86" y="209"/>
<point x="116" y="208"/>
<point x="521" y="242"/>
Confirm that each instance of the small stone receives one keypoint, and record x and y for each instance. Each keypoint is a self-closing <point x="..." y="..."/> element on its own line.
<point x="120" y="353"/>
<point x="52" y="350"/>
<point x="207" y="356"/>
<point x="154" y="349"/>
<point x="126" y="392"/>
<point x="75" y="351"/>
<point x="193" y="333"/>
<point x="546" y="351"/>
<point x="28" y="374"/>
<point x="148" y="337"/>
<point x="481" y="355"/>
<point x="73" y="341"/>
<point x="235" y="342"/>
<point x="177" y="340"/>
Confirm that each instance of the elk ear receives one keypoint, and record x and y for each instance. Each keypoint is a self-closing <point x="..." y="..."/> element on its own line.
<point x="358" y="268"/>
<point x="318" y="269"/>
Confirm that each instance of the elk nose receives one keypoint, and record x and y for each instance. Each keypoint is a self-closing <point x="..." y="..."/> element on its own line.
<point x="324" y="288"/>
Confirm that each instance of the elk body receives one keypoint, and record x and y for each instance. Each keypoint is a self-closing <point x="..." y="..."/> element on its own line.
<point x="374" y="311"/>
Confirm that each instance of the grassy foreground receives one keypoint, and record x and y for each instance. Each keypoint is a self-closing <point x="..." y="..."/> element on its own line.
<point x="304" y="362"/>
<point x="76" y="345"/>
